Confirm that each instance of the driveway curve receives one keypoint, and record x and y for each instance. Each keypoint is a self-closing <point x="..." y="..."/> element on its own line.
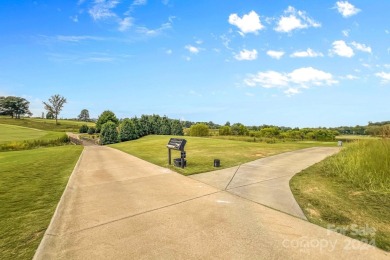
<point x="116" y="206"/>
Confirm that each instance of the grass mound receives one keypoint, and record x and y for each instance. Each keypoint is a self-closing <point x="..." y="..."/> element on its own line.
<point x="350" y="192"/>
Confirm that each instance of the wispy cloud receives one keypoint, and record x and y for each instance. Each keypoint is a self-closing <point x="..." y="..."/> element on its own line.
<point x="246" y="55"/>
<point x="77" y="38"/>
<point x="248" y="23"/>
<point x="192" y="49"/>
<point x="346" y="9"/>
<point x="125" y="24"/>
<point x="384" y="76"/>
<point x="361" y="47"/>
<point x="275" y="54"/>
<point x="102" y="9"/>
<point x="308" y="53"/>
<point x="294" y="20"/>
<point x="293" y="82"/>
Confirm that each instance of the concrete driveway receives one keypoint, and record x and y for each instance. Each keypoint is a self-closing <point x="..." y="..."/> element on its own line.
<point x="266" y="181"/>
<point x="119" y="207"/>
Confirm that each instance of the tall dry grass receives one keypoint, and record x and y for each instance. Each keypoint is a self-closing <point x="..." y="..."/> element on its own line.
<point x="364" y="163"/>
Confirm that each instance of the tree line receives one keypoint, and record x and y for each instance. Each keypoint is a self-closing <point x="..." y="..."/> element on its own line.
<point x="113" y="130"/>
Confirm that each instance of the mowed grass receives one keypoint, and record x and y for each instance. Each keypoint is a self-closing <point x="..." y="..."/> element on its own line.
<point x="350" y="192"/>
<point x="12" y="133"/>
<point x="31" y="184"/>
<point x="201" y="152"/>
<point x="46" y="124"/>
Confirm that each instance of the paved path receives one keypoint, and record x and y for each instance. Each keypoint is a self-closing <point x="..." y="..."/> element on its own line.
<point x="119" y="207"/>
<point x="266" y="181"/>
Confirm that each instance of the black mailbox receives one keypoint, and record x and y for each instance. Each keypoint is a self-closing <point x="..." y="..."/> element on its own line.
<point x="177" y="144"/>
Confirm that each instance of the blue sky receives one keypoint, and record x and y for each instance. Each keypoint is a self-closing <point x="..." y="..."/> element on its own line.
<point x="292" y="63"/>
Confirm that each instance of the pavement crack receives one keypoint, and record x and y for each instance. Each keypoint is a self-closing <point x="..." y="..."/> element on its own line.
<point x="232" y="177"/>
<point x="249" y="184"/>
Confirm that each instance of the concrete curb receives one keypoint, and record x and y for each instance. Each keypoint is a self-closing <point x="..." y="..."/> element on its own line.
<point x="43" y="242"/>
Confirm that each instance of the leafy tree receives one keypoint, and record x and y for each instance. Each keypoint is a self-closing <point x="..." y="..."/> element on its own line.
<point x="14" y="106"/>
<point x="104" y="118"/>
<point x="84" y="115"/>
<point x="225" y="130"/>
<point x="176" y="128"/>
<point x="54" y="105"/>
<point x="239" y="129"/>
<point x="127" y="130"/>
<point x="109" y="134"/>
<point x="199" y="130"/>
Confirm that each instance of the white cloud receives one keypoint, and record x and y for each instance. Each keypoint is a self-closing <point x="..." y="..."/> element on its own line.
<point x="384" y="76"/>
<point x="293" y="82"/>
<point x="293" y="20"/>
<point x="192" y="49"/>
<point x="275" y="54"/>
<point x="246" y="55"/>
<point x="345" y="33"/>
<point x="361" y="47"/>
<point x="308" y="53"/>
<point x="249" y="94"/>
<point x="102" y="9"/>
<point x="342" y="49"/>
<point x="268" y="79"/>
<point x="169" y="52"/>
<point x="125" y="24"/>
<point x="249" y="23"/>
<point x="346" y="9"/>
<point x="310" y="76"/>
<point x="351" y="77"/>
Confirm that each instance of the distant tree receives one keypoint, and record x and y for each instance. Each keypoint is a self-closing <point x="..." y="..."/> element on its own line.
<point x="199" y="130"/>
<point x="104" y="118"/>
<point x="49" y="115"/>
<point x="55" y="105"/>
<point x="84" y="115"/>
<point x="108" y="134"/>
<point x="14" y="106"/>
<point x="91" y="130"/>
<point x="227" y="123"/>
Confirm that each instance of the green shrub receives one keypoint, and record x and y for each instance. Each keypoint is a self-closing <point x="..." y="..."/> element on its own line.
<point x="225" y="130"/>
<point x="91" y="130"/>
<point x="104" y="118"/>
<point x="83" y="129"/>
<point x="109" y="133"/>
<point x="199" y="130"/>
<point x="127" y="130"/>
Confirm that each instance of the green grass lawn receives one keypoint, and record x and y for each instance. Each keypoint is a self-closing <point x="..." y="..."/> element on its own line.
<point x="46" y="124"/>
<point x="350" y="192"/>
<point x="201" y="152"/>
<point x="12" y="133"/>
<point x="31" y="184"/>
